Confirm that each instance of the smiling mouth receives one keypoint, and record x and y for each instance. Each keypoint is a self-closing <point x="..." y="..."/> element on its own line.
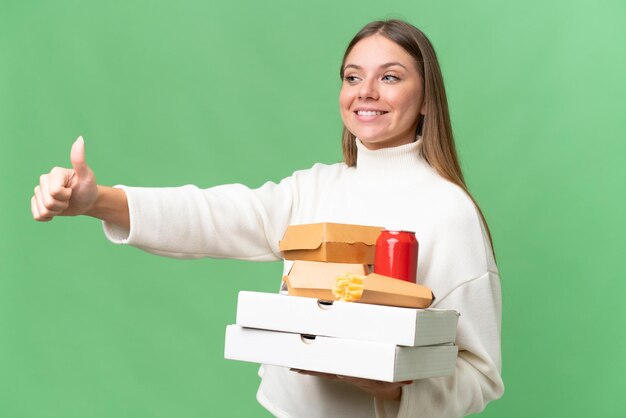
<point x="369" y="112"/>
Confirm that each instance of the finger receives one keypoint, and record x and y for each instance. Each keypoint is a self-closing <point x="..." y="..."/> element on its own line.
<point x="372" y="383"/>
<point x="53" y="205"/>
<point x="35" y="211"/>
<point x="44" y="212"/>
<point x="316" y="374"/>
<point x="77" y="157"/>
<point x="355" y="380"/>
<point x="33" y="208"/>
<point x="59" y="181"/>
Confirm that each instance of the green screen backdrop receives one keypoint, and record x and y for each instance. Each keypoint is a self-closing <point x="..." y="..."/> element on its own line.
<point x="206" y="92"/>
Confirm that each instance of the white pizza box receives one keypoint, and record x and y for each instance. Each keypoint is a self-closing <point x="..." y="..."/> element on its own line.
<point x="358" y="321"/>
<point x="342" y="356"/>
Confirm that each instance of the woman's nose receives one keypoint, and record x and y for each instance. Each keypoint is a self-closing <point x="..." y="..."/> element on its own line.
<point x="368" y="90"/>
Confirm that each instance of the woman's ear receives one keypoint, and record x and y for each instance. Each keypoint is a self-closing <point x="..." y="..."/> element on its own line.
<point x="423" y="109"/>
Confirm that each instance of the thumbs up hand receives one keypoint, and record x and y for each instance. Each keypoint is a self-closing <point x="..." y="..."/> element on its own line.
<point x="64" y="191"/>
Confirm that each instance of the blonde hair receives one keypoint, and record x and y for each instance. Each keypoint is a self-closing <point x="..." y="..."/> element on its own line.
<point x="438" y="147"/>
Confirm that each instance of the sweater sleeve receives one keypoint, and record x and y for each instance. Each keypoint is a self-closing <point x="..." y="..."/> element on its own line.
<point x="228" y="221"/>
<point x="476" y="379"/>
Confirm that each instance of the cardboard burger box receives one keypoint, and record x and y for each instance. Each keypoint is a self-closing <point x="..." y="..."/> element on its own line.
<point x="316" y="279"/>
<point x="343" y="356"/>
<point x="330" y="242"/>
<point x="358" y="321"/>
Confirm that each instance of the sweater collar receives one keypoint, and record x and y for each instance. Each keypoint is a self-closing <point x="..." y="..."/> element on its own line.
<point x="397" y="159"/>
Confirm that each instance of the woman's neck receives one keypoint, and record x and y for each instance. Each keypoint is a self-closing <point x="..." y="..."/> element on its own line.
<point x="398" y="159"/>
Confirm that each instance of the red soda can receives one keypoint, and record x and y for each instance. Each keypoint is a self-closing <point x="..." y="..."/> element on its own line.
<point x="396" y="255"/>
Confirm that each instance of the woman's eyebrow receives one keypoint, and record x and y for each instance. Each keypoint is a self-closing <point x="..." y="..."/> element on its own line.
<point x="386" y="65"/>
<point x="391" y="64"/>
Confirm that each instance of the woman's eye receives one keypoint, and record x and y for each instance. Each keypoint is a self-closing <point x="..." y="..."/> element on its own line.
<point x="390" y="78"/>
<point x="351" y="79"/>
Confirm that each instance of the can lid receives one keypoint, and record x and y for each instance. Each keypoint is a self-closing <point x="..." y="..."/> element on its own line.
<point x="398" y="232"/>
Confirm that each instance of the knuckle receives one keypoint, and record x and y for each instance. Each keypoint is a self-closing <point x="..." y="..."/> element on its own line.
<point x="58" y="171"/>
<point x="48" y="202"/>
<point x="55" y="192"/>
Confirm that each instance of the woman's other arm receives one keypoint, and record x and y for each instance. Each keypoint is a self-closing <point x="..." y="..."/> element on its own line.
<point x="467" y="280"/>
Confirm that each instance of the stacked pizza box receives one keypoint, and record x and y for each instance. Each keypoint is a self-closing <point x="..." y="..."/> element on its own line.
<point x="389" y="335"/>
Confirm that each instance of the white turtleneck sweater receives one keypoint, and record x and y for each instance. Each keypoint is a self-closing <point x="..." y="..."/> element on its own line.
<point x="391" y="187"/>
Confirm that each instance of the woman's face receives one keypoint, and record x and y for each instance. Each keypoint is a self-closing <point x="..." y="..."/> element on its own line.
<point x="382" y="94"/>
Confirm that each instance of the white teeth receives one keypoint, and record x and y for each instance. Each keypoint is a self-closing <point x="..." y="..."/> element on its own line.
<point x="369" y="113"/>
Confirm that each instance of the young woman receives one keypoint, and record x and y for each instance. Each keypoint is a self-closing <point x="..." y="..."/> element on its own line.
<point x="398" y="147"/>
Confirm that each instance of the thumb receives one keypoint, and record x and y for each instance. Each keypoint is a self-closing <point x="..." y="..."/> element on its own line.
<point x="77" y="157"/>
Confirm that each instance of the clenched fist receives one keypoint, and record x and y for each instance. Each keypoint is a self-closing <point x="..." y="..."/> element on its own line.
<point x="65" y="191"/>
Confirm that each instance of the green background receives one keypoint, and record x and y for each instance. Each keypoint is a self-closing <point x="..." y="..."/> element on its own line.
<point x="207" y="92"/>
